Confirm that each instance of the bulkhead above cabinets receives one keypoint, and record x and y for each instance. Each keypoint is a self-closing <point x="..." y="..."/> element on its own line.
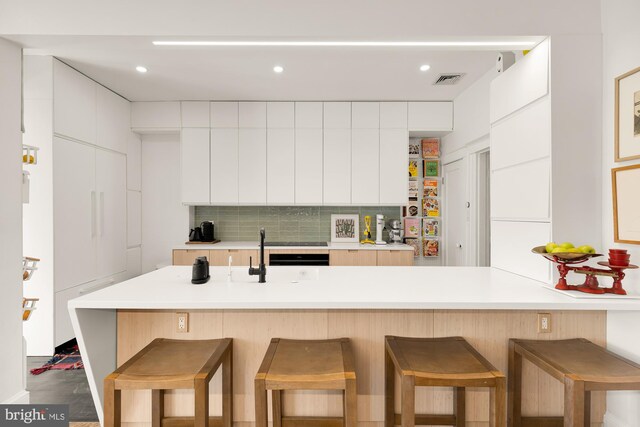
<point x="294" y="153"/>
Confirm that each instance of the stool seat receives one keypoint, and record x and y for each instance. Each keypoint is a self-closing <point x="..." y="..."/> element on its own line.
<point x="319" y="364"/>
<point x="169" y="363"/>
<point x="580" y="359"/>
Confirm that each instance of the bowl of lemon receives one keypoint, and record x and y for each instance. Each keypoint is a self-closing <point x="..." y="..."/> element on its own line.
<point x="566" y="252"/>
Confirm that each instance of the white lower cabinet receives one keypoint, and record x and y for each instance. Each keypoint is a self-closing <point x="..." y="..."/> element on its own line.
<point x="224" y="166"/>
<point x="337" y="167"/>
<point x="252" y="179"/>
<point x="365" y="166"/>
<point x="308" y="167"/>
<point x="194" y="166"/>
<point x="280" y="166"/>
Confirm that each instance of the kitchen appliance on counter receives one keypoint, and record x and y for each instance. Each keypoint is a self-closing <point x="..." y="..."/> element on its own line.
<point x="200" y="271"/>
<point x="394" y="226"/>
<point x="367" y="231"/>
<point x="195" y="235"/>
<point x="379" y="228"/>
<point x="299" y="259"/>
<point x="203" y="234"/>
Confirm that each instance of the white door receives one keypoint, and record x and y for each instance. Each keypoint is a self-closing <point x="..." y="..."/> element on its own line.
<point x="337" y="167"/>
<point x="224" y="166"/>
<point x="393" y="166"/>
<point x="194" y="166"/>
<point x="74" y="213"/>
<point x="280" y="166"/>
<point x="455" y="213"/>
<point x="111" y="190"/>
<point x="252" y="183"/>
<point x="365" y="166"/>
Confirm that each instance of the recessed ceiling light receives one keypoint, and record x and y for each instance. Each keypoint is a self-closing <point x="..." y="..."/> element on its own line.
<point x="278" y="69"/>
<point x="425" y="67"/>
<point x="141" y="69"/>
<point x="498" y="43"/>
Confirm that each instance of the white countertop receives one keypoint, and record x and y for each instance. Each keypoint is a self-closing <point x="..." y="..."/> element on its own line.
<point x="342" y="288"/>
<point x="330" y="246"/>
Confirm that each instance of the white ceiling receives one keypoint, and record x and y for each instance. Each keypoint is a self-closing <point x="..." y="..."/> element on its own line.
<point x="246" y="73"/>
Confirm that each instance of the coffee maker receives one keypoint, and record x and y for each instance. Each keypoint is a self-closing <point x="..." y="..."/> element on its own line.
<point x="379" y="228"/>
<point x="394" y="226"/>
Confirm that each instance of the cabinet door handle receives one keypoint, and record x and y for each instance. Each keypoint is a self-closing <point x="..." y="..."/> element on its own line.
<point x="101" y="213"/>
<point x="93" y="214"/>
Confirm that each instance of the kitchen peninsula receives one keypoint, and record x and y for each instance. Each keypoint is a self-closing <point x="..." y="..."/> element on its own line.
<point x="487" y="306"/>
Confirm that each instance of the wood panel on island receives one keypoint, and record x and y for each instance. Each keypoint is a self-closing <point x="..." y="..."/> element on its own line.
<point x="337" y="257"/>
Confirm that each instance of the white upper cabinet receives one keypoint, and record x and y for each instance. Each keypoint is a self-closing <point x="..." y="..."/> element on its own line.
<point x="365" y="115"/>
<point x="155" y="115"/>
<point x="74" y="103"/>
<point x="308" y="166"/>
<point x="224" y="115"/>
<point x="365" y="166"/>
<point x="134" y="162"/>
<point x="195" y="114"/>
<point x="393" y="166"/>
<point x="252" y="115"/>
<point x="280" y="115"/>
<point x="393" y="115"/>
<point x="194" y="166"/>
<point x="113" y="120"/>
<point x="252" y="159"/>
<point x="280" y="166"/>
<point x="224" y="166"/>
<point x="308" y="115"/>
<point x="337" y="167"/>
<point x="337" y="115"/>
<point x="430" y="116"/>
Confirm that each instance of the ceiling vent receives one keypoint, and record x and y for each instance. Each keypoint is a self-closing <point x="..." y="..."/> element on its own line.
<point x="448" y="79"/>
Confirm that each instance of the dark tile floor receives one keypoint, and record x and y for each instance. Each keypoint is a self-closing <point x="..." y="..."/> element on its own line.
<point x="62" y="387"/>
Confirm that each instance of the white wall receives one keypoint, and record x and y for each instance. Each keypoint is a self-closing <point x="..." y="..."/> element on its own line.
<point x="621" y="35"/>
<point x="165" y="219"/>
<point x="12" y="389"/>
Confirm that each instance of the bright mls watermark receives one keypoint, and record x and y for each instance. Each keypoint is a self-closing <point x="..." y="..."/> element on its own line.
<point x="34" y="415"/>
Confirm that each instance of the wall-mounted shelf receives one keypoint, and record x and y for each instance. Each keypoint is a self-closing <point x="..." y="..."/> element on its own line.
<point x="28" y="306"/>
<point x="29" y="154"/>
<point x="29" y="265"/>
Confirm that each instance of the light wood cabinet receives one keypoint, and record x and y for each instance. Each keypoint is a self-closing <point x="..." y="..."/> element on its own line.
<point x="397" y="258"/>
<point x="353" y="257"/>
<point x="240" y="257"/>
<point x="187" y="256"/>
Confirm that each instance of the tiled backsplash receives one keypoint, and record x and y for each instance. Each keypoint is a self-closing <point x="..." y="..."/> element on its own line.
<point x="284" y="223"/>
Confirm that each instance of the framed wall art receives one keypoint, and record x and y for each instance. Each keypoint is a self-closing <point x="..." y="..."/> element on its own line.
<point x="627" y="116"/>
<point x="626" y="204"/>
<point x="345" y="228"/>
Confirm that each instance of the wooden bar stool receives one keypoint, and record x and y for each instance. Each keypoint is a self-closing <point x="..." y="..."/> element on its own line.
<point x="306" y="365"/>
<point x="580" y="365"/>
<point x="438" y="362"/>
<point x="167" y="364"/>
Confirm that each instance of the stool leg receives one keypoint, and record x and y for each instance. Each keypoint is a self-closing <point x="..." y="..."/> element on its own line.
<point x="574" y="403"/>
<point x="350" y="404"/>
<point x="111" y="404"/>
<point x="389" y="390"/>
<point x="408" y="413"/>
<point x="227" y="389"/>
<point x="157" y="407"/>
<point x="201" y="403"/>
<point x="587" y="408"/>
<point x="498" y="403"/>
<point x="514" y="405"/>
<point x="276" y="403"/>
<point x="459" y="406"/>
<point x="261" y="403"/>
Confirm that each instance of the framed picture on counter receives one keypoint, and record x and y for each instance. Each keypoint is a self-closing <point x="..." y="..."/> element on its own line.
<point x="345" y="228"/>
<point x="626" y="204"/>
<point x="627" y="116"/>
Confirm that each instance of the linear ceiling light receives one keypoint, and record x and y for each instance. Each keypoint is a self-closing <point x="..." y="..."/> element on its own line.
<point x="349" y="43"/>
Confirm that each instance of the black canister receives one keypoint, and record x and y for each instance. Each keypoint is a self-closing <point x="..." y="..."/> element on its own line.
<point x="207" y="231"/>
<point x="200" y="271"/>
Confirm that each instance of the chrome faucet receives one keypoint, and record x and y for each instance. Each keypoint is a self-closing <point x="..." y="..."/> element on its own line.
<point x="261" y="271"/>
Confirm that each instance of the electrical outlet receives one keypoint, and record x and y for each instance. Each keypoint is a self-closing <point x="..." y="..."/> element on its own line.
<point x="183" y="322"/>
<point x="544" y="323"/>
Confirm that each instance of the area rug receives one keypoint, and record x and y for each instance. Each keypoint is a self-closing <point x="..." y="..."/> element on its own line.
<point x="65" y="360"/>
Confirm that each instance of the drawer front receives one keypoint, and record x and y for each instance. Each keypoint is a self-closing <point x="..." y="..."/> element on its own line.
<point x="395" y="258"/>
<point x="353" y="257"/>
<point x="239" y="257"/>
<point x="187" y="256"/>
